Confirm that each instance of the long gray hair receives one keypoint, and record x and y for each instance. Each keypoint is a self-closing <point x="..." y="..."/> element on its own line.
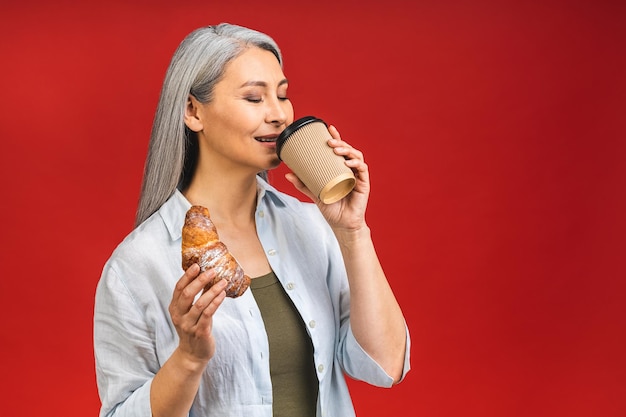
<point x="197" y="65"/>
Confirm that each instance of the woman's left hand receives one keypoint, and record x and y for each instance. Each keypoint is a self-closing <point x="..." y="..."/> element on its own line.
<point x="375" y="316"/>
<point x="349" y="212"/>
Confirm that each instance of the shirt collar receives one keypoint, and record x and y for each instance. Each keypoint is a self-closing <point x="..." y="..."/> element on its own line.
<point x="173" y="214"/>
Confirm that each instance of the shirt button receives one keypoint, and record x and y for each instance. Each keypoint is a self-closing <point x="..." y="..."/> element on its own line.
<point x="271" y="252"/>
<point x="291" y="285"/>
<point x="320" y="368"/>
<point x="312" y="324"/>
<point x="261" y="213"/>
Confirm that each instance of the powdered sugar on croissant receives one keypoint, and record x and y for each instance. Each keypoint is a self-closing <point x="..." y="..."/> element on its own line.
<point x="201" y="245"/>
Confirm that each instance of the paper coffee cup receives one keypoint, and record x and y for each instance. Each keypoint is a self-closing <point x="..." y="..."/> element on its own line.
<point x="303" y="146"/>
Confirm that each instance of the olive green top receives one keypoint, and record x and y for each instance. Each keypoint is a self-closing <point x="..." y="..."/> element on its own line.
<point x="294" y="381"/>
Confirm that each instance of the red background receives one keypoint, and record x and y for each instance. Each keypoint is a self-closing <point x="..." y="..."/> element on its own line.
<point x="495" y="134"/>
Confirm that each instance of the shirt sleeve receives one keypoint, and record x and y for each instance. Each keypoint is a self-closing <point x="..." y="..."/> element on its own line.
<point x="359" y="365"/>
<point x="124" y="350"/>
<point x="351" y="356"/>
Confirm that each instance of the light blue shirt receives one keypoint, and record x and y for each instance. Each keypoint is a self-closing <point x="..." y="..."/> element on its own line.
<point x="134" y="335"/>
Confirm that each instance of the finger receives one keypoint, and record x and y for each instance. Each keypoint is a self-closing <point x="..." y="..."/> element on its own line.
<point x="207" y="296"/>
<point x="188" y="277"/>
<point x="205" y="319"/>
<point x="355" y="159"/>
<point x="208" y="302"/>
<point x="334" y="133"/>
<point x="292" y="178"/>
<point x="202" y="280"/>
<point x="349" y="153"/>
<point x="184" y="297"/>
<point x="342" y="147"/>
<point x="360" y="168"/>
<point x="190" y="274"/>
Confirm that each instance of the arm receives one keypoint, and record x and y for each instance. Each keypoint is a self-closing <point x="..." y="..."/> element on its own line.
<point x="175" y="385"/>
<point x="376" y="319"/>
<point x="375" y="316"/>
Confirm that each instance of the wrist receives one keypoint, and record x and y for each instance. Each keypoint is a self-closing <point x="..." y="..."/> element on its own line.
<point x="352" y="236"/>
<point x="188" y="363"/>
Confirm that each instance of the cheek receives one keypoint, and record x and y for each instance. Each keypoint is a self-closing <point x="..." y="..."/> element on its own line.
<point x="238" y="120"/>
<point x="289" y="111"/>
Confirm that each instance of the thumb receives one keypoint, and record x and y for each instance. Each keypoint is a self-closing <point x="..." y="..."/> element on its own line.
<point x="292" y="178"/>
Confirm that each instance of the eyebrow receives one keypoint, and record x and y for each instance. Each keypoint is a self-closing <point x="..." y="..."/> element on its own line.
<point x="262" y="83"/>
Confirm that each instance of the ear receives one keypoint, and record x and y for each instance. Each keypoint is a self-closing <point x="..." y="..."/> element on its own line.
<point x="192" y="116"/>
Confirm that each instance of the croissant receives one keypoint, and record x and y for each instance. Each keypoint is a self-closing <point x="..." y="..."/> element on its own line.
<point x="201" y="245"/>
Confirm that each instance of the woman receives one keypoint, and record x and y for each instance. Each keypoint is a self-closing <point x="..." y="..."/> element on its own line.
<point x="319" y="304"/>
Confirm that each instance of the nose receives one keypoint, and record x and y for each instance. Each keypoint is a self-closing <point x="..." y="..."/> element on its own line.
<point x="277" y="112"/>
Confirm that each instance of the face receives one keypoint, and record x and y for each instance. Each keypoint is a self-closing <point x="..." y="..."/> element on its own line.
<point x="250" y="108"/>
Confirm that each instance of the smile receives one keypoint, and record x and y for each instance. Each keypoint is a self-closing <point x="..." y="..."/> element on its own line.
<point x="266" y="139"/>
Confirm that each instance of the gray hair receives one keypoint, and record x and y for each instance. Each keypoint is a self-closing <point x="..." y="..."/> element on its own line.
<point x="196" y="66"/>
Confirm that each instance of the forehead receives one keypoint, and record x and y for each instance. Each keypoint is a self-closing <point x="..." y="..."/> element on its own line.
<point x="253" y="64"/>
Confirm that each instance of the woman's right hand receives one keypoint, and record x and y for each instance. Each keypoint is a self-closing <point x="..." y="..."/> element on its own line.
<point x="175" y="385"/>
<point x="194" y="321"/>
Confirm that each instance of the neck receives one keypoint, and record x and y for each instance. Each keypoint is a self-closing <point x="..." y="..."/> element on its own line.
<point x="230" y="199"/>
